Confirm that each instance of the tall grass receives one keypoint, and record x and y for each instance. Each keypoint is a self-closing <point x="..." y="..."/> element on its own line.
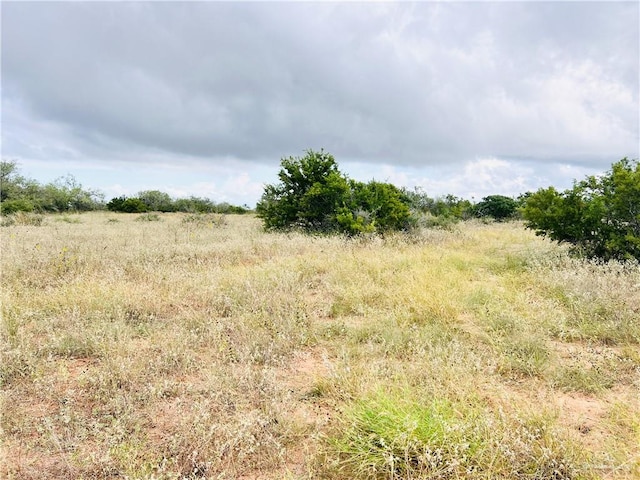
<point x="202" y="347"/>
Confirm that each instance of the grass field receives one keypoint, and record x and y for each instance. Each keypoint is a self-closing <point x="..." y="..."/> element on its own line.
<point x="182" y="346"/>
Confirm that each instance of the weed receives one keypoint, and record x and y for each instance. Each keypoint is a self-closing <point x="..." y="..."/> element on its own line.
<point x="74" y="346"/>
<point x="68" y="219"/>
<point x="523" y="358"/>
<point x="204" y="220"/>
<point x="148" y="217"/>
<point x="579" y="379"/>
<point x="22" y="219"/>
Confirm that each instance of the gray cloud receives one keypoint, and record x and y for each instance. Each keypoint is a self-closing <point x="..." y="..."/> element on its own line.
<point x="405" y="84"/>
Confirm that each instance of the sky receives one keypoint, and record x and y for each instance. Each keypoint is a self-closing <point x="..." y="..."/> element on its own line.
<point x="206" y="98"/>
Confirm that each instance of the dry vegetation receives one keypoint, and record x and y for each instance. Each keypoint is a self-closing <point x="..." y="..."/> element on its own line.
<point x="200" y="347"/>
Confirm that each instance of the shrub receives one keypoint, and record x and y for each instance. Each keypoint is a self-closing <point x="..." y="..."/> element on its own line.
<point x="157" y="201"/>
<point x="20" y="194"/>
<point x="599" y="216"/>
<point x="497" y="207"/>
<point x="17" y="205"/>
<point x="446" y="207"/>
<point x="315" y="196"/>
<point x="127" y="205"/>
<point x="310" y="191"/>
<point x="383" y="205"/>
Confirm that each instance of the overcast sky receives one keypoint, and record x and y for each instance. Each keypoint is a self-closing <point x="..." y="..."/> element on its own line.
<point x="206" y="98"/>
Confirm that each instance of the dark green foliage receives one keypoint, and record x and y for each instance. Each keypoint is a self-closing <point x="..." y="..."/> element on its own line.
<point x="134" y="205"/>
<point x="315" y="196"/>
<point x="127" y="205"/>
<point x="497" y="207"/>
<point x="374" y="206"/>
<point x="204" y="205"/>
<point x="16" y="205"/>
<point x="115" y="204"/>
<point x="599" y="216"/>
<point x="194" y="205"/>
<point x="310" y="192"/>
<point x="156" y="201"/>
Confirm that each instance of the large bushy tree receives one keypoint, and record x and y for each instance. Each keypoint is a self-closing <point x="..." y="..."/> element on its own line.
<point x="310" y="191"/>
<point x="315" y="196"/>
<point x="599" y="216"/>
<point x="497" y="207"/>
<point x="157" y="201"/>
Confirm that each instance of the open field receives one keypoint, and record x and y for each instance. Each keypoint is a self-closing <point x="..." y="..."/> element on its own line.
<point x="201" y="347"/>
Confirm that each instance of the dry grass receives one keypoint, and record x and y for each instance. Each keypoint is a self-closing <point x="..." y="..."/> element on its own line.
<point x="201" y="347"/>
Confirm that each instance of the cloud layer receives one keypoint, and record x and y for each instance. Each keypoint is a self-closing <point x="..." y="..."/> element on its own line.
<point x="397" y="84"/>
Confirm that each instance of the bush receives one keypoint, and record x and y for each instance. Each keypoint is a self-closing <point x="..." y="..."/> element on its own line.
<point x="310" y="191"/>
<point x="20" y="194"/>
<point x="374" y="206"/>
<point x="17" y="205"/>
<point x="599" y="216"/>
<point x="127" y="205"/>
<point x="447" y="207"/>
<point x="157" y="201"/>
<point x="497" y="207"/>
<point x="315" y="196"/>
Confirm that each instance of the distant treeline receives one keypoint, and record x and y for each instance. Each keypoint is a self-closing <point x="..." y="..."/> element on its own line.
<point x="21" y="194"/>
<point x="157" y="201"/>
<point x="66" y="194"/>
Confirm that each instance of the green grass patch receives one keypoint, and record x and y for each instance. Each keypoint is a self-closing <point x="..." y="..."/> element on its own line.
<point x="399" y="436"/>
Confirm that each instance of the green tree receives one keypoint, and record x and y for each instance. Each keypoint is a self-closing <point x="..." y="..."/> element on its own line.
<point x="448" y="206"/>
<point x="381" y="205"/>
<point x="498" y="207"/>
<point x="134" y="205"/>
<point x="310" y="191"/>
<point x="115" y="204"/>
<point x="599" y="216"/>
<point x="313" y="195"/>
<point x="67" y="194"/>
<point x="17" y="193"/>
<point x="194" y="205"/>
<point x="9" y="180"/>
<point x="127" y="205"/>
<point x="157" y="201"/>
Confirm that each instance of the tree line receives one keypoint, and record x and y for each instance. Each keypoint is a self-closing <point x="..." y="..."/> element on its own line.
<point x="599" y="217"/>
<point x="313" y="195"/>
<point x="66" y="194"/>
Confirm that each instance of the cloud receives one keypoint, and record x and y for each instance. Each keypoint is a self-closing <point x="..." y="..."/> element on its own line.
<point x="412" y="85"/>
